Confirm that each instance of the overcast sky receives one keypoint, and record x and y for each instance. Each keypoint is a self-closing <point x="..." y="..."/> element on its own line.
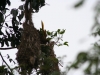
<point x="60" y="14"/>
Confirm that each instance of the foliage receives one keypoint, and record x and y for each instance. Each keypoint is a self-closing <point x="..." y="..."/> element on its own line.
<point x="3" y="4"/>
<point x="57" y="35"/>
<point x="92" y="57"/>
<point x="81" y="2"/>
<point x="12" y="34"/>
<point x="5" y="68"/>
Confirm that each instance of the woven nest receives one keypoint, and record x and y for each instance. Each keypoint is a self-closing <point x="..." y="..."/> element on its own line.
<point x="29" y="49"/>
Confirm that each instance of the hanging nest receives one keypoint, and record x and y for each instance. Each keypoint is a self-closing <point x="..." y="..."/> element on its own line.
<point x="29" y="49"/>
<point x="35" y="50"/>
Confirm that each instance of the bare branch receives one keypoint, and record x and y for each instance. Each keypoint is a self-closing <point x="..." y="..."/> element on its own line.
<point x="7" y="48"/>
<point x="5" y="62"/>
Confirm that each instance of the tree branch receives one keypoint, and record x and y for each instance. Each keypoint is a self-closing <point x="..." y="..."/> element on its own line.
<point x="7" y="48"/>
<point x="5" y="62"/>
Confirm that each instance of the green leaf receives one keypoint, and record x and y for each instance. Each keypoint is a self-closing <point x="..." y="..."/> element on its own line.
<point x="62" y="32"/>
<point x="2" y="43"/>
<point x="1" y="18"/>
<point x="14" y="12"/>
<point x="58" y="30"/>
<point x="79" y="3"/>
<point x="8" y="56"/>
<point x="82" y="57"/>
<point x="12" y="43"/>
<point x="55" y="34"/>
<point x="49" y="39"/>
<point x="21" y="7"/>
<point x="8" y="2"/>
<point x="88" y="69"/>
<point x="59" y="45"/>
<point x="10" y="60"/>
<point x="74" y="65"/>
<point x="65" y="43"/>
<point x="1" y="33"/>
<point x="6" y="42"/>
<point x="6" y="24"/>
<point x="48" y="33"/>
<point x="2" y="67"/>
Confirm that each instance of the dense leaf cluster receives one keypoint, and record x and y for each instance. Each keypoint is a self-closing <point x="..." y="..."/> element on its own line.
<point x="3" y="4"/>
<point x="13" y="32"/>
<point x="36" y="4"/>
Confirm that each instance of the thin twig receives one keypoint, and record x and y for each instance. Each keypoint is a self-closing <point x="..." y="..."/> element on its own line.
<point x="7" y="48"/>
<point x="5" y="62"/>
<point x="7" y="16"/>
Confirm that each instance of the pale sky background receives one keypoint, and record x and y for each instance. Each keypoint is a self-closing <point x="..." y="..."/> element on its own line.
<point x="60" y="14"/>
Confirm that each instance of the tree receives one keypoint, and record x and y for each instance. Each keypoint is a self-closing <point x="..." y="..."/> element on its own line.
<point x="93" y="55"/>
<point x="35" y="47"/>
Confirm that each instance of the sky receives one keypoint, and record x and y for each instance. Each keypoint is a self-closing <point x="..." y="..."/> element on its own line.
<point x="60" y="14"/>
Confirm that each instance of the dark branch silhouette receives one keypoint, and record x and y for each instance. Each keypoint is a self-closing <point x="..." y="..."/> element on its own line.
<point x="7" y="48"/>
<point x="5" y="62"/>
